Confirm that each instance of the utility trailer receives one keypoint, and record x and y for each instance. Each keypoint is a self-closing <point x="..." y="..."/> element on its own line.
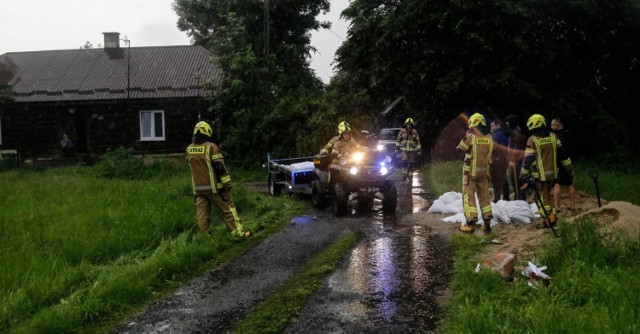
<point x="292" y="175"/>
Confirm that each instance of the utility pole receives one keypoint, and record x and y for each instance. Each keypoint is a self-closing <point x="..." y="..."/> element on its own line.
<point x="126" y="40"/>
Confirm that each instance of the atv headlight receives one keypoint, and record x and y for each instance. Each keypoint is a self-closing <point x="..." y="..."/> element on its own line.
<point x="357" y="157"/>
<point x="353" y="170"/>
<point x="387" y="158"/>
<point x="384" y="170"/>
<point x="380" y="147"/>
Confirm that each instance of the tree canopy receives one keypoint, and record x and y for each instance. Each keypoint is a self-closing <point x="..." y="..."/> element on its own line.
<point x="577" y="60"/>
<point x="573" y="59"/>
<point x="269" y="95"/>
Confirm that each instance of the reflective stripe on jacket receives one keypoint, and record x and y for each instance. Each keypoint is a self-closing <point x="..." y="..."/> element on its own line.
<point x="408" y="141"/>
<point x="203" y="177"/>
<point x="541" y="156"/>
<point x="478" y="149"/>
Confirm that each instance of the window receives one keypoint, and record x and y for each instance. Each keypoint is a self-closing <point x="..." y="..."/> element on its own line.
<point x="152" y="125"/>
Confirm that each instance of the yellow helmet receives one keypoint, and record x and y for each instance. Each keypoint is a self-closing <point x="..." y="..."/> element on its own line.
<point x="536" y="121"/>
<point x="409" y="120"/>
<point x="203" y="128"/>
<point x="477" y="119"/>
<point x="343" y="126"/>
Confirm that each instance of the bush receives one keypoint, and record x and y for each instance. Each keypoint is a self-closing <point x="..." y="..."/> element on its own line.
<point x="8" y="164"/>
<point x="121" y="164"/>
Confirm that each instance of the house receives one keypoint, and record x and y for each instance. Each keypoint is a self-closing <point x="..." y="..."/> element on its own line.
<point x="147" y="98"/>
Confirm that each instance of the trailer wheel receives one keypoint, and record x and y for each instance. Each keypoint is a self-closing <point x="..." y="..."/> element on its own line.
<point x="390" y="200"/>
<point x="318" y="195"/>
<point x="274" y="188"/>
<point x="339" y="200"/>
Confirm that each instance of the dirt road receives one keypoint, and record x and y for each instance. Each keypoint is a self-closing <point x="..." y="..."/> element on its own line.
<point x="392" y="281"/>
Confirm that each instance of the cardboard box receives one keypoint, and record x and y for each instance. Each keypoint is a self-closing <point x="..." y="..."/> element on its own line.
<point x="501" y="262"/>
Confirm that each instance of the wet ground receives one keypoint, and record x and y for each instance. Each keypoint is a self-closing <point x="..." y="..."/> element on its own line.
<point x="392" y="281"/>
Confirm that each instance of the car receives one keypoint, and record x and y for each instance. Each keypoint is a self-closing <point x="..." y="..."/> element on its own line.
<point x="387" y="142"/>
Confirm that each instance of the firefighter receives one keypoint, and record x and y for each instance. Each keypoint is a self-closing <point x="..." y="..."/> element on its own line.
<point x="343" y="142"/>
<point x="540" y="162"/>
<point x="408" y="143"/>
<point x="478" y="146"/>
<point x="211" y="182"/>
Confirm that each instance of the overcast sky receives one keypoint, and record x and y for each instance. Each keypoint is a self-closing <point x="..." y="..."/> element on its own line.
<point x="33" y="25"/>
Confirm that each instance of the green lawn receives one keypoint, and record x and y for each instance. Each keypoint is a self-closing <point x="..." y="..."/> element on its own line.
<point x="80" y="252"/>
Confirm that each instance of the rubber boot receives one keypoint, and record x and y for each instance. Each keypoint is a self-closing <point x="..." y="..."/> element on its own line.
<point x="469" y="228"/>
<point x="553" y="218"/>
<point x="487" y="224"/>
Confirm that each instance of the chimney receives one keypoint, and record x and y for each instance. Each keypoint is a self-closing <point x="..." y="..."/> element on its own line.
<point x="111" y="40"/>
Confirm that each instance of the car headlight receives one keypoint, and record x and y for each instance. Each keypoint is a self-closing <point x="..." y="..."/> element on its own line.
<point x="357" y="157"/>
<point x="380" y="147"/>
<point x="353" y="170"/>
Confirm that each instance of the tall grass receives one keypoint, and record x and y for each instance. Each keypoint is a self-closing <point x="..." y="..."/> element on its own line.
<point x="79" y="251"/>
<point x="592" y="289"/>
<point x="616" y="182"/>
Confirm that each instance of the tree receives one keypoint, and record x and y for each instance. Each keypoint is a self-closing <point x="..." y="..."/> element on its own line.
<point x="576" y="59"/>
<point x="268" y="93"/>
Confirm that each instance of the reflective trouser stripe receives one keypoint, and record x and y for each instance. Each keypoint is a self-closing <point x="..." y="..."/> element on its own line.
<point x="545" y="189"/>
<point x="225" y="179"/>
<point x="227" y="209"/>
<point x="479" y="185"/>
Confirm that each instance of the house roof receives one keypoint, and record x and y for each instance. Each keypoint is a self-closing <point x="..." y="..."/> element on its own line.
<point x="101" y="74"/>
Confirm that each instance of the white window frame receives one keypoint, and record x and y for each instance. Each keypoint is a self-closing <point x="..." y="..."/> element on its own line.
<point x="153" y="136"/>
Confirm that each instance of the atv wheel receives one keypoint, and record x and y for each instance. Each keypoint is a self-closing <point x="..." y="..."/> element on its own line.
<point x="339" y="200"/>
<point x="318" y="196"/>
<point x="390" y="200"/>
<point x="274" y="188"/>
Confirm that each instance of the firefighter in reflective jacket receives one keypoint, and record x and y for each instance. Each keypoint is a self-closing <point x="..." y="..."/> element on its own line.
<point x="343" y="142"/>
<point x="477" y="146"/>
<point x="211" y="182"/>
<point x="408" y="143"/>
<point x="540" y="162"/>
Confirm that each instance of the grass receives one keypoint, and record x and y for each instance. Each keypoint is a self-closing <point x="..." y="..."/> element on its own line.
<point x="282" y="308"/>
<point x="593" y="271"/>
<point x="616" y="182"/>
<point x="591" y="291"/>
<point x="79" y="252"/>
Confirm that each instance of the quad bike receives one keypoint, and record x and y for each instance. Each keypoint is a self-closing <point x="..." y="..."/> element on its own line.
<point x="360" y="176"/>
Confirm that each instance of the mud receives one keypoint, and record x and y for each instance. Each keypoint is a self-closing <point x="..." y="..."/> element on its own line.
<point x="394" y="279"/>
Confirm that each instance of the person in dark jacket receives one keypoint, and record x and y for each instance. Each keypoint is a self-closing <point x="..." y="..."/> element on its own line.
<point x="515" y="154"/>
<point x="564" y="178"/>
<point x="499" y="161"/>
